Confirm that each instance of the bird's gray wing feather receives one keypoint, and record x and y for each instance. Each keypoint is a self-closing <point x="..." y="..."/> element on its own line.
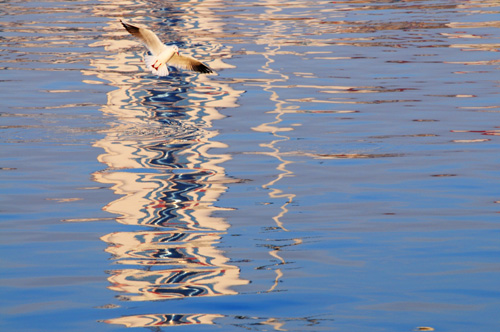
<point x="147" y="37"/>
<point x="186" y="62"/>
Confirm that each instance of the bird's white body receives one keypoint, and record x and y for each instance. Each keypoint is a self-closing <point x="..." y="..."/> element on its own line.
<point x="158" y="63"/>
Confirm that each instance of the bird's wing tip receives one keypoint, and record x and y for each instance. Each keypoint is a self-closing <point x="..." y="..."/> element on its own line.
<point x="212" y="71"/>
<point x="202" y="68"/>
<point x="126" y="24"/>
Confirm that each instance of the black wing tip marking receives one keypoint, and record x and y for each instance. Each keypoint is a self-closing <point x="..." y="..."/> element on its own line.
<point x="130" y="28"/>
<point x="203" y="68"/>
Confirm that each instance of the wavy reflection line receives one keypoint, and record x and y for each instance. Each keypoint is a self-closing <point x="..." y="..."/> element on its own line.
<point x="274" y="128"/>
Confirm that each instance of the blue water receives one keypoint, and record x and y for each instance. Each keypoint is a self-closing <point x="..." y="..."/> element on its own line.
<point x="340" y="172"/>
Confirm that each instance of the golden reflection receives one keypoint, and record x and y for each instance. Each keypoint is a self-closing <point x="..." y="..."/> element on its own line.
<point x="276" y="324"/>
<point x="164" y="320"/>
<point x="275" y="129"/>
<point x="159" y="153"/>
<point x="244" y="322"/>
<point x="180" y="282"/>
<point x="191" y="249"/>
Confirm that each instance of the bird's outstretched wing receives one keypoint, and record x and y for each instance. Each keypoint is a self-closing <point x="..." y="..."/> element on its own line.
<point x="147" y="37"/>
<point x="161" y="53"/>
<point x="186" y="62"/>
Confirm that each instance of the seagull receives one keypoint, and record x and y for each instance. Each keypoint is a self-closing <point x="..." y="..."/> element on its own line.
<point x="163" y="55"/>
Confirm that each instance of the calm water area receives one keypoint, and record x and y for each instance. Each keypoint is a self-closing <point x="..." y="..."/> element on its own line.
<point x="341" y="172"/>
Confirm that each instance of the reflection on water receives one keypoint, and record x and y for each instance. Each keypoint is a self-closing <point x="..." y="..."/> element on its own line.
<point x="160" y="159"/>
<point x="240" y="322"/>
<point x="164" y="320"/>
<point x="339" y="173"/>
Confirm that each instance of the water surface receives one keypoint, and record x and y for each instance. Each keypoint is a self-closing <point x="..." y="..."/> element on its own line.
<point x="339" y="173"/>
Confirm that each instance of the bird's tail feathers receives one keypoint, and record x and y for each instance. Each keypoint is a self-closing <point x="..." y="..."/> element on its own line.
<point x="150" y="64"/>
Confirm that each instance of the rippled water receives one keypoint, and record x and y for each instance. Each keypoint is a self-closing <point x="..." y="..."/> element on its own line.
<point x="341" y="171"/>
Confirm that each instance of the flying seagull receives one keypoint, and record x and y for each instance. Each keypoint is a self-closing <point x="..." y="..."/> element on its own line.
<point x="162" y="55"/>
